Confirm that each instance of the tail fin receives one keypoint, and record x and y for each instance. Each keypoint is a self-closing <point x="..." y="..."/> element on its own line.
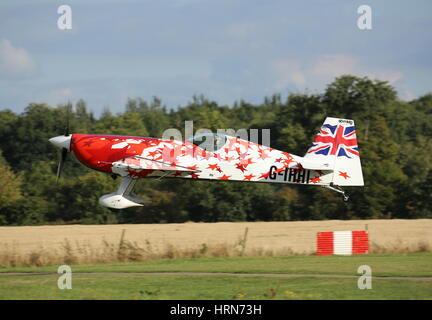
<point x="336" y="143"/>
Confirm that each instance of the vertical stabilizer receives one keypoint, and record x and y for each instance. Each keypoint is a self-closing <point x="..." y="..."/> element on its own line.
<point x="336" y="143"/>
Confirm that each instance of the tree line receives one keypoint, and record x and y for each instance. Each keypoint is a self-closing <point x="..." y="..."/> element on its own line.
<point x="394" y="139"/>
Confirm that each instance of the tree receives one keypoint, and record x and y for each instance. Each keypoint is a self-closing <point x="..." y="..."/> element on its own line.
<point x="10" y="187"/>
<point x="10" y="191"/>
<point x="77" y="200"/>
<point x="381" y="170"/>
<point x="423" y="199"/>
<point x="128" y="123"/>
<point x="353" y="97"/>
<point x="84" y="120"/>
<point x="27" y="141"/>
<point x="394" y="140"/>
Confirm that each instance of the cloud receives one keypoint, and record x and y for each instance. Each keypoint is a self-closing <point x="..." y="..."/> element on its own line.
<point x="240" y="30"/>
<point x="323" y="69"/>
<point x="391" y="76"/>
<point x="15" y="62"/>
<point x="407" y="95"/>
<point x="184" y="3"/>
<point x="334" y="65"/>
<point x="57" y="96"/>
<point x="288" y="72"/>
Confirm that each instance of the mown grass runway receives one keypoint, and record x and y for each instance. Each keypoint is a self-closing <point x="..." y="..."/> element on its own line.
<point x="133" y="281"/>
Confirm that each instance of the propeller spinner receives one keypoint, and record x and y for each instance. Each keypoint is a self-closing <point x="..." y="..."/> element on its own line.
<point x="62" y="142"/>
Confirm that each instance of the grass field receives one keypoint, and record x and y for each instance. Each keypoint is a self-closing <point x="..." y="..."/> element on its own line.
<point x="245" y="260"/>
<point x="89" y="244"/>
<point x="310" y="277"/>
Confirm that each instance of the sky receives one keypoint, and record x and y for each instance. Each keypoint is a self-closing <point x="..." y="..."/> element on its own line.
<point x="226" y="50"/>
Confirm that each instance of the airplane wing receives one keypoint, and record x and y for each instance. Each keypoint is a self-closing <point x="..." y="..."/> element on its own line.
<point x="141" y="163"/>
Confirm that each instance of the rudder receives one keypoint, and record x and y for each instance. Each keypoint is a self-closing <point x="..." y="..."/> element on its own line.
<point x="337" y="142"/>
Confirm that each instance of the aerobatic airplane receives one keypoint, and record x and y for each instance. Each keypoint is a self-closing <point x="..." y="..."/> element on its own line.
<point x="332" y="161"/>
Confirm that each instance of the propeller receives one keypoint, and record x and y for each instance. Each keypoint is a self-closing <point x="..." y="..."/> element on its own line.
<point x="61" y="162"/>
<point x="62" y="142"/>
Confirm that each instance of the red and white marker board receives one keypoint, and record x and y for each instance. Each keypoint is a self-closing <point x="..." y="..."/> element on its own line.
<point x="342" y="243"/>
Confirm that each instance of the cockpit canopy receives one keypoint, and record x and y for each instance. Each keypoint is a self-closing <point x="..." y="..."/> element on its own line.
<point x="209" y="141"/>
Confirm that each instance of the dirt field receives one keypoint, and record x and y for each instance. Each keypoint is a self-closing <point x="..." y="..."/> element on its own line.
<point x="294" y="237"/>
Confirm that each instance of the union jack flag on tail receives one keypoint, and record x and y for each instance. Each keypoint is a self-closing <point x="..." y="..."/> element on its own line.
<point x="336" y="142"/>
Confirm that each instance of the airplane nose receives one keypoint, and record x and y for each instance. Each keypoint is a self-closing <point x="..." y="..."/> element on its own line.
<point x="61" y="141"/>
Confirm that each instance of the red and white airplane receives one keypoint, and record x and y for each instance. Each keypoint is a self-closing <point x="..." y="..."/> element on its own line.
<point x="332" y="161"/>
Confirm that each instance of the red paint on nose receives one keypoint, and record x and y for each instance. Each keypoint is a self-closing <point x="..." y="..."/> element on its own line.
<point x="99" y="151"/>
<point x="94" y="151"/>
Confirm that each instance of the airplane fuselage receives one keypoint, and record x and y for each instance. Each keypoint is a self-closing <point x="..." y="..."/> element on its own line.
<point x="234" y="159"/>
<point x="333" y="160"/>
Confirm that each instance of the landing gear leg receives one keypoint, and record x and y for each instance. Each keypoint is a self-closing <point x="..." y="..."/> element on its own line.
<point x="338" y="190"/>
<point x="122" y="198"/>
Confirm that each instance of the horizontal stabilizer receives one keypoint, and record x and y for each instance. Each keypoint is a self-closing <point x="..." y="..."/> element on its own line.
<point x="315" y="165"/>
